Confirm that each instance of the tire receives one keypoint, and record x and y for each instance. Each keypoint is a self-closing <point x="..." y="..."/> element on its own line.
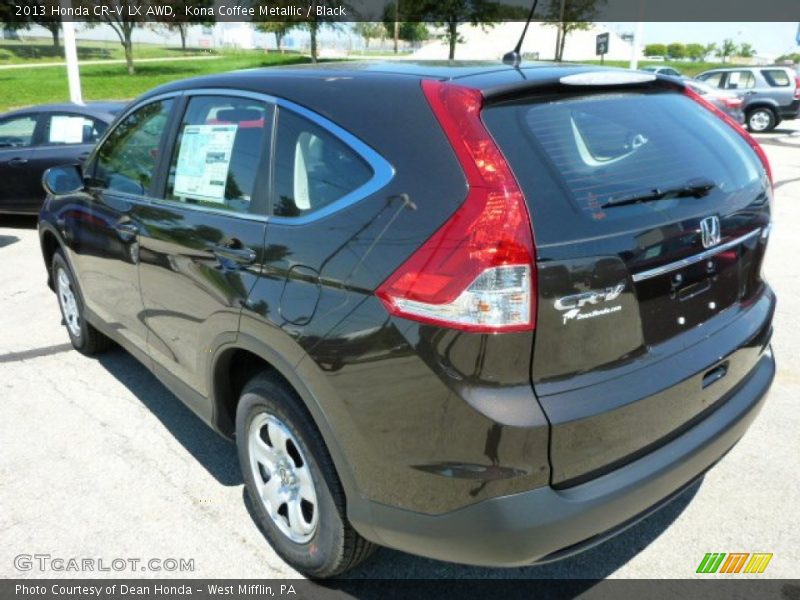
<point x="84" y="337"/>
<point x="761" y="120"/>
<point x="273" y="425"/>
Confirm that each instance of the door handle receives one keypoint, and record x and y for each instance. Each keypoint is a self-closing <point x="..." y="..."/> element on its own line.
<point x="18" y="162"/>
<point x="234" y="251"/>
<point x="126" y="230"/>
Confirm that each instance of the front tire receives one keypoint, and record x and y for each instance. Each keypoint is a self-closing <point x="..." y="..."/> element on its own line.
<point x="292" y="484"/>
<point x="761" y="120"/>
<point x="84" y="337"/>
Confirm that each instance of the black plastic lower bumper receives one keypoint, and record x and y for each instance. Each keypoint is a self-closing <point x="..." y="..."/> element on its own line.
<point x="546" y="524"/>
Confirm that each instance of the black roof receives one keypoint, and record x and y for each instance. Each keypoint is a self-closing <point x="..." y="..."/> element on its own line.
<point x="479" y="73"/>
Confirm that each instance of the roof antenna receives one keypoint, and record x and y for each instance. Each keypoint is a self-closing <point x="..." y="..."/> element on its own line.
<point x="514" y="58"/>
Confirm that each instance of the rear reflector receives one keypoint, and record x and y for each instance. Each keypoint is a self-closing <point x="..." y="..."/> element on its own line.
<point x="738" y="128"/>
<point x="476" y="272"/>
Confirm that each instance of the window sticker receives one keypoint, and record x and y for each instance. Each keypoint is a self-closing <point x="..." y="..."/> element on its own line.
<point x="66" y="130"/>
<point x="203" y="162"/>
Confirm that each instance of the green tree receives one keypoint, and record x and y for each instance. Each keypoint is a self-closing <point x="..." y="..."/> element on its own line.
<point x="123" y="24"/>
<point x="655" y="50"/>
<point x="181" y="22"/>
<point x="569" y="16"/>
<point x="710" y="49"/>
<point x="414" y="31"/>
<point x="280" y="29"/>
<point x="727" y="49"/>
<point x="746" y="50"/>
<point x="369" y="31"/>
<point x="450" y="14"/>
<point x="696" y="51"/>
<point x="676" y="50"/>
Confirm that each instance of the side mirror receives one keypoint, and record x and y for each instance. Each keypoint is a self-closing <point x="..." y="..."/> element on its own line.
<point x="60" y="181"/>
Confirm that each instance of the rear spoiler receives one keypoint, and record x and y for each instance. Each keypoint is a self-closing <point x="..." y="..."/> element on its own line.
<point x="582" y="79"/>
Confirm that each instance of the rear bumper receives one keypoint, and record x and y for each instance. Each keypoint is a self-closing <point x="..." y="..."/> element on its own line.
<point x="547" y="524"/>
<point x="790" y="112"/>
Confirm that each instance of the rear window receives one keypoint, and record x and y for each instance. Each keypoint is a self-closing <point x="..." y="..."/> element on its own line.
<point x="776" y="77"/>
<point x="594" y="149"/>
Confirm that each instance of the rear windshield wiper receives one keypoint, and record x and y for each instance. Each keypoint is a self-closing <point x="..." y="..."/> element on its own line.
<point x="696" y="188"/>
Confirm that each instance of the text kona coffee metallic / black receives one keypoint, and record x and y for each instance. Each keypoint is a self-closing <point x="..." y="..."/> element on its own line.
<point x="483" y="314"/>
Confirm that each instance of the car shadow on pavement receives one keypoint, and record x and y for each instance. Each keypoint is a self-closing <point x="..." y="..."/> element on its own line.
<point x="18" y="221"/>
<point x="7" y="240"/>
<point x="212" y="451"/>
<point x="594" y="564"/>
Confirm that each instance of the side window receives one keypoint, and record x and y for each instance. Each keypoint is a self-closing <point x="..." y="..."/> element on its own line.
<point x="740" y="80"/>
<point x="218" y="153"/>
<point x="72" y="129"/>
<point x="776" y="77"/>
<point x="712" y="79"/>
<point x="127" y="160"/>
<point x="313" y="167"/>
<point x="17" y="132"/>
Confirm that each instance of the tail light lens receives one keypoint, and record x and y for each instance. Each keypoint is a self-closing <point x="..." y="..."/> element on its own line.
<point x="797" y="88"/>
<point x="738" y="128"/>
<point x="732" y="102"/>
<point x="476" y="272"/>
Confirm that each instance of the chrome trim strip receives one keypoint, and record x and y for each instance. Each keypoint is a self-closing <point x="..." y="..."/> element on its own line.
<point x="685" y="262"/>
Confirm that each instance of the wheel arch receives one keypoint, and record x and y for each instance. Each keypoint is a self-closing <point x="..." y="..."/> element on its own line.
<point x="236" y="362"/>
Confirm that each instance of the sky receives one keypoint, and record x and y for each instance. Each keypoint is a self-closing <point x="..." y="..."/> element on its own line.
<point x="766" y="38"/>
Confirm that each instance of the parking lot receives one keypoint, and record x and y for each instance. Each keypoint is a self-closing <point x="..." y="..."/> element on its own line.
<point x="98" y="460"/>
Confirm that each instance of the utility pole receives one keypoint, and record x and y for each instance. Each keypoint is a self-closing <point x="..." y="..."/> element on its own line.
<point x="635" y="45"/>
<point x="71" y="56"/>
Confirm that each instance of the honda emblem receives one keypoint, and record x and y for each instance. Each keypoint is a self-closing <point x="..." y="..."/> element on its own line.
<point x="710" y="231"/>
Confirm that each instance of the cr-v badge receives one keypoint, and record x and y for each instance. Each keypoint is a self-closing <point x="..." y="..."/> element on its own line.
<point x="710" y="231"/>
<point x="575" y="302"/>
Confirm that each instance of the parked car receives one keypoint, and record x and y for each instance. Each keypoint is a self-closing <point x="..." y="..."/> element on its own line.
<point x="770" y="94"/>
<point x="662" y="71"/>
<point x="37" y="138"/>
<point x="728" y="102"/>
<point x="493" y="323"/>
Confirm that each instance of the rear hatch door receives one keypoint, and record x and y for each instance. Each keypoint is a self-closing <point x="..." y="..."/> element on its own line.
<point x="649" y="214"/>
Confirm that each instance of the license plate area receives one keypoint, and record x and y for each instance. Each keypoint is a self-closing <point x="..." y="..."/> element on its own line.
<point x="680" y="299"/>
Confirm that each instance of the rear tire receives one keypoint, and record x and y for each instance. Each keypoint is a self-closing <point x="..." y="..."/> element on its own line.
<point x="291" y="481"/>
<point x="84" y="337"/>
<point x="761" y="120"/>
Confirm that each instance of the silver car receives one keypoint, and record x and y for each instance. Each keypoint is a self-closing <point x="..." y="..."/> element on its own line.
<point x="771" y="94"/>
<point x="727" y="101"/>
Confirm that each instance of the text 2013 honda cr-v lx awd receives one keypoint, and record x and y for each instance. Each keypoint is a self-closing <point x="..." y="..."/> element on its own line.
<point x="485" y="314"/>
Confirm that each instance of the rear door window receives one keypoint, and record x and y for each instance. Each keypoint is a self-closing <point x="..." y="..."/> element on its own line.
<point x="740" y="80"/>
<point x="61" y="129"/>
<point x="575" y="155"/>
<point x="218" y="154"/>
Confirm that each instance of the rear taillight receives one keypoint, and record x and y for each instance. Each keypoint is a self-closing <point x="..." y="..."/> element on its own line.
<point x="797" y="88"/>
<point x="476" y="272"/>
<point x="736" y="127"/>
<point x="731" y="102"/>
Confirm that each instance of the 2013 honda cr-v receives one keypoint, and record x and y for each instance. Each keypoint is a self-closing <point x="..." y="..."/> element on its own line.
<point x="484" y="314"/>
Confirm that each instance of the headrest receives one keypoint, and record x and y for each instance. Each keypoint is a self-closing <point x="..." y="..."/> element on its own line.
<point x="239" y="115"/>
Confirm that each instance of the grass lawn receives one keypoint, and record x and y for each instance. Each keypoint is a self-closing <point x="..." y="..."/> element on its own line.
<point x="25" y="87"/>
<point x="42" y="50"/>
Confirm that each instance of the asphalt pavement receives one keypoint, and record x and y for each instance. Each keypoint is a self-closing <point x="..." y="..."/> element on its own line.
<point x="98" y="460"/>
